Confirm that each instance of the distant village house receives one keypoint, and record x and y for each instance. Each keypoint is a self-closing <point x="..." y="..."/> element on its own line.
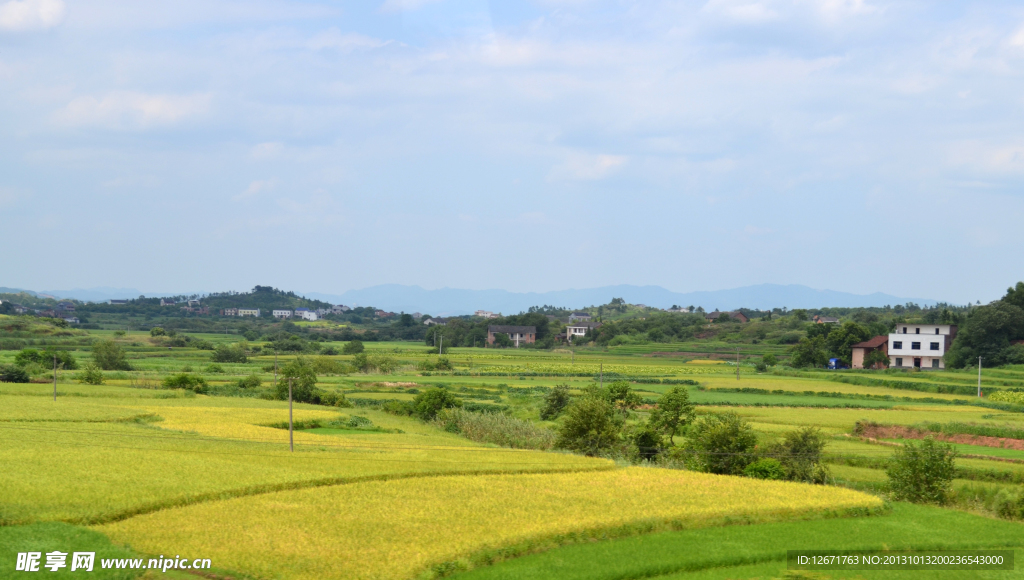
<point x="712" y="316"/>
<point x="920" y="346"/>
<point x="167" y="302"/>
<point x="862" y="349"/>
<point x="281" y="313"/>
<point x="518" y="334"/>
<point x="578" y="329"/>
<point x="579" y="317"/>
<point x="254" y="312"/>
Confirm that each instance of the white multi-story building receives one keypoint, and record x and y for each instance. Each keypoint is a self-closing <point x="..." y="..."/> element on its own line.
<point x="920" y="345"/>
<point x="305" y="314"/>
<point x="249" y="312"/>
<point x="282" y="313"/>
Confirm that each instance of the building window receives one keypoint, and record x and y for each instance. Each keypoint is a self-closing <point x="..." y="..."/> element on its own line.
<point x="915" y="346"/>
<point x="917" y="331"/>
<point x="936" y="331"/>
<point x="904" y="330"/>
<point x="935" y="363"/>
<point x="935" y="346"/>
<point x="896" y="345"/>
<point x="899" y="362"/>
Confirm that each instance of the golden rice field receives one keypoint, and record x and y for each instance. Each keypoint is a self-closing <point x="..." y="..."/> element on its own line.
<point x="402" y="528"/>
<point x="800" y="385"/>
<point x="594" y="369"/>
<point x="79" y="470"/>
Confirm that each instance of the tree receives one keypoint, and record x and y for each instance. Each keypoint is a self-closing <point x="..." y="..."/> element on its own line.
<point x="922" y="473"/>
<point x="186" y="381"/>
<point x="303" y="378"/>
<point x="110" y="356"/>
<point x="770" y="360"/>
<point x="876" y="357"/>
<point x="501" y="339"/>
<point x="987" y="333"/>
<point x="13" y="374"/>
<point x="91" y="375"/>
<point x="721" y="444"/>
<point x="156" y="331"/>
<point x="229" y="353"/>
<point x="841" y="340"/>
<point x="800" y="453"/>
<point x="555" y="402"/>
<point x="622" y="396"/>
<point x="800" y="314"/>
<point x="1015" y="295"/>
<point x="353" y="347"/>
<point x="591" y="426"/>
<point x="809" y="352"/>
<point x="647" y="441"/>
<point x="430" y="402"/>
<point x="674" y="411"/>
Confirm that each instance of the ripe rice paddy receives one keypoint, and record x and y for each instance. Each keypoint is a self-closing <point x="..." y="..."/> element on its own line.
<point x="403" y="527"/>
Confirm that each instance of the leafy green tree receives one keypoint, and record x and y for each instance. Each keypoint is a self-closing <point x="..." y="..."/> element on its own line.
<point x="722" y="443"/>
<point x="647" y="441"/>
<point x="110" y="356"/>
<point x="555" y="402"/>
<point x="353" y="347"/>
<point x="229" y="353"/>
<point x="362" y="363"/>
<point x="303" y="380"/>
<point x="13" y="374"/>
<point x="876" y="357"/>
<point x="800" y="452"/>
<point x="591" y="426"/>
<point x="810" y="352"/>
<point x="430" y="402"/>
<point x="502" y="340"/>
<point x="765" y="468"/>
<point x="156" y="331"/>
<point x="1015" y="295"/>
<point x="251" y="335"/>
<point x="842" y="338"/>
<point x="674" y="412"/>
<point x="250" y="382"/>
<point x="922" y="473"/>
<point x="800" y="314"/>
<point x="384" y="363"/>
<point x="987" y="333"/>
<point x="622" y="396"/>
<point x="770" y="360"/>
<point x="186" y="381"/>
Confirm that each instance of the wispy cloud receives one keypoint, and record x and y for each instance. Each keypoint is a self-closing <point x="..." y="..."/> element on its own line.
<point x="131" y="110"/>
<point x="31" y="14"/>
<point x="255" y="188"/>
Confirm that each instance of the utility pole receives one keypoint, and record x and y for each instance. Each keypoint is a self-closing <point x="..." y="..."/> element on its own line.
<point x="737" y="364"/>
<point x="979" y="377"/>
<point x="275" y="368"/>
<point x="440" y="349"/>
<point x="291" y="440"/>
<point x="601" y="375"/>
<point x="55" y="378"/>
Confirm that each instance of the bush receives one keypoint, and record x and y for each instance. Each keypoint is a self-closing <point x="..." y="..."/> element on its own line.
<point x="721" y="444"/>
<point x="765" y="468"/>
<point x="646" y="442"/>
<point x="303" y="379"/>
<point x="214" y="368"/>
<point x="591" y="426"/>
<point x="1016" y="398"/>
<point x="250" y="382"/>
<point x="922" y="473"/>
<point x="110" y="356"/>
<point x="384" y="363"/>
<point x="361" y="363"/>
<point x="329" y="351"/>
<point x="430" y="402"/>
<point x="496" y="428"/>
<point x="186" y="381"/>
<point x="92" y="375"/>
<point x="251" y="335"/>
<point x="353" y="347"/>
<point x="13" y="374"/>
<point x="45" y="359"/>
<point x="324" y="365"/>
<point x="555" y="402"/>
<point x="203" y="344"/>
<point x="1009" y="504"/>
<point x="229" y="353"/>
<point x="800" y="453"/>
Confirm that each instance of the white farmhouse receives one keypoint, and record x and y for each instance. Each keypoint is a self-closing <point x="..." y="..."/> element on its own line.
<point x="254" y="312"/>
<point x="920" y="345"/>
<point x="282" y="313"/>
<point x="305" y="313"/>
<point x="575" y="329"/>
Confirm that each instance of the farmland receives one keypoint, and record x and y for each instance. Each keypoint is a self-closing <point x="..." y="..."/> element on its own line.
<point x="139" y="467"/>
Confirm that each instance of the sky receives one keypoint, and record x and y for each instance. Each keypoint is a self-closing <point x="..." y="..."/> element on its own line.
<point x="854" y="145"/>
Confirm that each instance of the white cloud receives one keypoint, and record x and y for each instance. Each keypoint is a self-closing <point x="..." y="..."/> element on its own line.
<point x="130" y="110"/>
<point x="742" y="10"/>
<point x="589" y="167"/>
<point x="31" y="14"/>
<point x="255" y="187"/>
<point x="267" y="150"/>
<point x="392" y="6"/>
<point x="333" y="38"/>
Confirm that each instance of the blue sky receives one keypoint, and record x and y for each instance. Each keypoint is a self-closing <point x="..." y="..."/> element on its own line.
<point x="857" y="145"/>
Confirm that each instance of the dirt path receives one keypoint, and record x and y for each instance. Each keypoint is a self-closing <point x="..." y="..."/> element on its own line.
<point x="901" y="432"/>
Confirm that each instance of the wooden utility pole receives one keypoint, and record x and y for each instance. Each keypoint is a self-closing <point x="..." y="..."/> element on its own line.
<point x="55" y="378"/>
<point x="291" y="440"/>
<point x="979" y="377"/>
<point x="275" y="368"/>
<point x="601" y="375"/>
<point x="737" y="364"/>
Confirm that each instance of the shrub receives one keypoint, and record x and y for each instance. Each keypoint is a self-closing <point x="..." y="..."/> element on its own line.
<point x="229" y="353"/>
<point x="214" y="368"/>
<point x="721" y="444"/>
<point x="202" y="344"/>
<point x="119" y="333"/>
<point x="362" y="363"/>
<point x="646" y="441"/>
<point x="1016" y="398"/>
<point x="765" y="468"/>
<point x="922" y="473"/>
<point x="110" y="356"/>
<point x="384" y="363"/>
<point x="769" y="360"/>
<point x="800" y="453"/>
<point x="1009" y="504"/>
<point x="92" y="375"/>
<point x="323" y="365"/>
<point x="673" y="413"/>
<point x="186" y="381"/>
<point x="555" y="402"/>
<point x="45" y="358"/>
<point x="430" y="402"/>
<point x="353" y="347"/>
<point x="251" y="335"/>
<point x="496" y="428"/>
<point x="250" y="382"/>
<point x="591" y="426"/>
<point x="13" y="374"/>
<point x="329" y="351"/>
<point x="303" y="379"/>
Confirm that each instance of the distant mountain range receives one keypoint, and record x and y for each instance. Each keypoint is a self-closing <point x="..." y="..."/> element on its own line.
<point x="453" y="301"/>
